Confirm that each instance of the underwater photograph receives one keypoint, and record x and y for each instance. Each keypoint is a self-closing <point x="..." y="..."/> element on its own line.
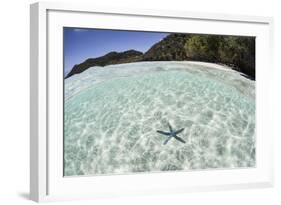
<point x="141" y="101"/>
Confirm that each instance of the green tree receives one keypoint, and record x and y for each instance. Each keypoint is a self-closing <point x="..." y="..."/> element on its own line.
<point x="202" y="47"/>
<point x="239" y="51"/>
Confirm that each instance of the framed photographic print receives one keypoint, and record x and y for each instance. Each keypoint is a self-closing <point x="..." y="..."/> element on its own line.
<point x="129" y="102"/>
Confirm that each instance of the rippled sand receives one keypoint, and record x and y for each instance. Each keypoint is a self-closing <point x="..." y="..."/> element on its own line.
<point x="111" y="115"/>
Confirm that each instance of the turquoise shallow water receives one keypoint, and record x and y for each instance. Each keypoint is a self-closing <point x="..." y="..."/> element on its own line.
<point x="111" y="115"/>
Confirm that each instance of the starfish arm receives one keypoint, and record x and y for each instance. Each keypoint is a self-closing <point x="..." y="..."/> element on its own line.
<point x="167" y="140"/>
<point x="179" y="139"/>
<point x="179" y="131"/>
<point x="163" y="133"/>
<point x="170" y="127"/>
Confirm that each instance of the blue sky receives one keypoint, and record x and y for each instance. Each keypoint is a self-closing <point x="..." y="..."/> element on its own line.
<point x="81" y="44"/>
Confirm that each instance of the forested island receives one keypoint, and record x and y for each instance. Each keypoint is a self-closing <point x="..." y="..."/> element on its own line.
<point x="236" y="51"/>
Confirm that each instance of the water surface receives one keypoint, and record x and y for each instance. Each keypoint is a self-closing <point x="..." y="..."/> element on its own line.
<point x="111" y="115"/>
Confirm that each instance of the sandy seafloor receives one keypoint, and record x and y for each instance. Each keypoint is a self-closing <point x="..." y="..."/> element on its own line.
<point x="111" y="115"/>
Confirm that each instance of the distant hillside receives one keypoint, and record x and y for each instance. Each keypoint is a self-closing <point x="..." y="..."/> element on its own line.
<point x="108" y="59"/>
<point x="238" y="52"/>
<point x="170" y="48"/>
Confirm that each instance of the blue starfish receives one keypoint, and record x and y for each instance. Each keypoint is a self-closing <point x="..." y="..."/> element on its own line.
<point x="171" y="134"/>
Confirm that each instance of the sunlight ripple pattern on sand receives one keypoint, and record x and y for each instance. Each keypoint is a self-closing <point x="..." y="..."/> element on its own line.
<point x="112" y="114"/>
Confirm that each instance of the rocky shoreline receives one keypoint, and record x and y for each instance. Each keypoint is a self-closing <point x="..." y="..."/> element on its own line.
<point x="238" y="52"/>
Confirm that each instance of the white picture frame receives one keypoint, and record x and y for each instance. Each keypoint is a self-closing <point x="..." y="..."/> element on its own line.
<point x="46" y="179"/>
